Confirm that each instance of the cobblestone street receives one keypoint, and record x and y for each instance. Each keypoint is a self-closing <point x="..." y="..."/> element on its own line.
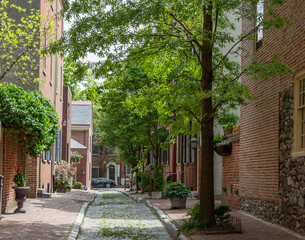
<point x="115" y="216"/>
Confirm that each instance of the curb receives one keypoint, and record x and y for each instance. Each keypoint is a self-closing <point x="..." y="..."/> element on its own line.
<point x="166" y="220"/>
<point x="77" y="224"/>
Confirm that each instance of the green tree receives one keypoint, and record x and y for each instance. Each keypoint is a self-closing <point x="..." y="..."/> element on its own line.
<point x="22" y="35"/>
<point x="181" y="42"/>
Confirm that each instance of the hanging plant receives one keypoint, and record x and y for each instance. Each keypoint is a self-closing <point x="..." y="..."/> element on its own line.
<point x="30" y="117"/>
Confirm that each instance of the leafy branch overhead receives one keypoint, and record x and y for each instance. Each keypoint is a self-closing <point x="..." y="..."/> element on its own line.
<point x="24" y="34"/>
<point x="190" y="50"/>
<point x="30" y="117"/>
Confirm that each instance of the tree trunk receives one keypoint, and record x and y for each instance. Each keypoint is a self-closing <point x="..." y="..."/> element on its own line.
<point x="206" y="212"/>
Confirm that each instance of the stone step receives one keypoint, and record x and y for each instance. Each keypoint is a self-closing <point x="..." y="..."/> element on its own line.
<point x="42" y="194"/>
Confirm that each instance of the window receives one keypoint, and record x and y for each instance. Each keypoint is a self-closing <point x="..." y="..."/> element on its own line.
<point x="128" y="170"/>
<point x="96" y="172"/>
<point x="259" y="17"/>
<point x="58" y="147"/>
<point x="47" y="155"/>
<point x="299" y="114"/>
<point x="178" y="147"/>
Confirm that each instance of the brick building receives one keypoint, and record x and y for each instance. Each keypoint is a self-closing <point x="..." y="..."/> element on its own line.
<point x="66" y="124"/>
<point x="271" y="164"/>
<point x="108" y="165"/>
<point x="81" y="138"/>
<point x="40" y="171"/>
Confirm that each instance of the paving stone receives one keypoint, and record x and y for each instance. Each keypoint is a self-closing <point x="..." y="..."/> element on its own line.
<point x="115" y="216"/>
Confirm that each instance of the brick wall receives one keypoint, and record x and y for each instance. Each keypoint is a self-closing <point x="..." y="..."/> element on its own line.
<point x="259" y="138"/>
<point x="259" y="119"/>
<point x="81" y="136"/>
<point x="14" y="158"/>
<point x="230" y="174"/>
<point x="83" y="166"/>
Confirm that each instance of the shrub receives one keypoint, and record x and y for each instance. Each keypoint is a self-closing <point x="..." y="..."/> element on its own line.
<point x="30" y="117"/>
<point x="222" y="215"/>
<point x="158" y="178"/>
<point x="175" y="189"/>
<point x="193" y="224"/>
<point x="146" y="183"/>
<point x="169" y="179"/>
<point x="64" y="174"/>
<point x="78" y="185"/>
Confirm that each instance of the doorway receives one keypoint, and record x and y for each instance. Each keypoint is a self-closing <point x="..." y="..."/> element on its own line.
<point x="112" y="172"/>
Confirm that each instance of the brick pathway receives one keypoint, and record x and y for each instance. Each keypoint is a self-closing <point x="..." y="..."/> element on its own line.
<point x="113" y="215"/>
<point x="46" y="218"/>
<point x="252" y="229"/>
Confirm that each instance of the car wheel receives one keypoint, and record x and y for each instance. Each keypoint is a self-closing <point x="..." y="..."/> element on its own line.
<point x="108" y="185"/>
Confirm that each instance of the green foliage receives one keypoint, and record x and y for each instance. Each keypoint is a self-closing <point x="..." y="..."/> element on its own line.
<point x="78" y="185"/>
<point x="217" y="139"/>
<point x="30" y="117"/>
<point x="192" y="224"/>
<point x="63" y="175"/>
<point x="235" y="191"/>
<point x="222" y="216"/>
<point x="146" y="183"/>
<point x="22" y="35"/>
<point x="75" y="157"/>
<point x="169" y="179"/>
<point x="229" y="120"/>
<point x="158" y="178"/>
<point x="20" y="179"/>
<point x="224" y="189"/>
<point x="175" y="189"/>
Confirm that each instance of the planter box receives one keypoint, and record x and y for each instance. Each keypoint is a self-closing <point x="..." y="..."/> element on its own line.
<point x="156" y="195"/>
<point x="223" y="149"/>
<point x="178" y="203"/>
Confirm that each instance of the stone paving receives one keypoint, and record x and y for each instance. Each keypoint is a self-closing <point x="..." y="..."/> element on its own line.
<point x="115" y="216"/>
<point x="46" y="218"/>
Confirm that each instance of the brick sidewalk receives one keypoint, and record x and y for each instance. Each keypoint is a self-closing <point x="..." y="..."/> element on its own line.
<point x="252" y="229"/>
<point x="46" y="218"/>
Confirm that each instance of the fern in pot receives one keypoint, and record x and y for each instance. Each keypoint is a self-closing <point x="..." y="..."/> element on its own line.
<point x="177" y="193"/>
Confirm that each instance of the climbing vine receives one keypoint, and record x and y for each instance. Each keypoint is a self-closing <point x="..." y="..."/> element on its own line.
<point x="30" y="117"/>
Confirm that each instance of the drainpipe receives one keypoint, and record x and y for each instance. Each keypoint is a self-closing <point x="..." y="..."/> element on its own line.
<point x="1" y="184"/>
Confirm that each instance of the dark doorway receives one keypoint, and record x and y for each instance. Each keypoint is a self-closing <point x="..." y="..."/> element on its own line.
<point x="111" y="172"/>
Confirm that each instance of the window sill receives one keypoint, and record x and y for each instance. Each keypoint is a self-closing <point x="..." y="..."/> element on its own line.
<point x="298" y="154"/>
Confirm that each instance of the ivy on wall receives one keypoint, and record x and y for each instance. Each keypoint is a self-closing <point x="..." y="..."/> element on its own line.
<point x="30" y="117"/>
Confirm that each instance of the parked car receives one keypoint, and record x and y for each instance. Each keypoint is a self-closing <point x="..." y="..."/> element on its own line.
<point x="102" y="182"/>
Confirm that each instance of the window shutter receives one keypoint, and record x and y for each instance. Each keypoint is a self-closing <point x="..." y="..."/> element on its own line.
<point x="188" y="148"/>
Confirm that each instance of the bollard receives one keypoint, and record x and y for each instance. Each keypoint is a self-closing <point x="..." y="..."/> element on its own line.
<point x="1" y="177"/>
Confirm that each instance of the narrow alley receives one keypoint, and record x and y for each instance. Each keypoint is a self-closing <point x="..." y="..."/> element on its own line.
<point x="113" y="215"/>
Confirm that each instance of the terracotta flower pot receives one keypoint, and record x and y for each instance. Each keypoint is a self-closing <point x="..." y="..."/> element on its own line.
<point x="20" y="198"/>
<point x="178" y="203"/>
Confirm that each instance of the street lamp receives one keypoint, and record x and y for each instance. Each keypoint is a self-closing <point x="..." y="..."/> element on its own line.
<point x="194" y="143"/>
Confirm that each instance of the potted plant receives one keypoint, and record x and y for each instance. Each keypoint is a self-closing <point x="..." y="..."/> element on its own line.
<point x="20" y="190"/>
<point x="228" y="121"/>
<point x="177" y="193"/>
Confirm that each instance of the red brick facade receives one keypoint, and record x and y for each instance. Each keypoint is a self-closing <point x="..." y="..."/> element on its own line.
<point x="40" y="174"/>
<point x="259" y="138"/>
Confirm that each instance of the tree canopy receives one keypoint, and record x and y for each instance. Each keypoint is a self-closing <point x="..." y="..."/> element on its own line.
<point x="187" y="47"/>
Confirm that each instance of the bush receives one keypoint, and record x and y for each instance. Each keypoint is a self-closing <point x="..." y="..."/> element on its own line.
<point x="30" y="117"/>
<point x="175" y="189"/>
<point x="146" y="183"/>
<point x="78" y="185"/>
<point x="169" y="179"/>
<point x="158" y="178"/>
<point x="64" y="174"/>
<point x="193" y="224"/>
<point x="222" y="215"/>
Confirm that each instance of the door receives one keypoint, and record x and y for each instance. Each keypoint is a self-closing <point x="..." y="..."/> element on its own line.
<point x="112" y="172"/>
